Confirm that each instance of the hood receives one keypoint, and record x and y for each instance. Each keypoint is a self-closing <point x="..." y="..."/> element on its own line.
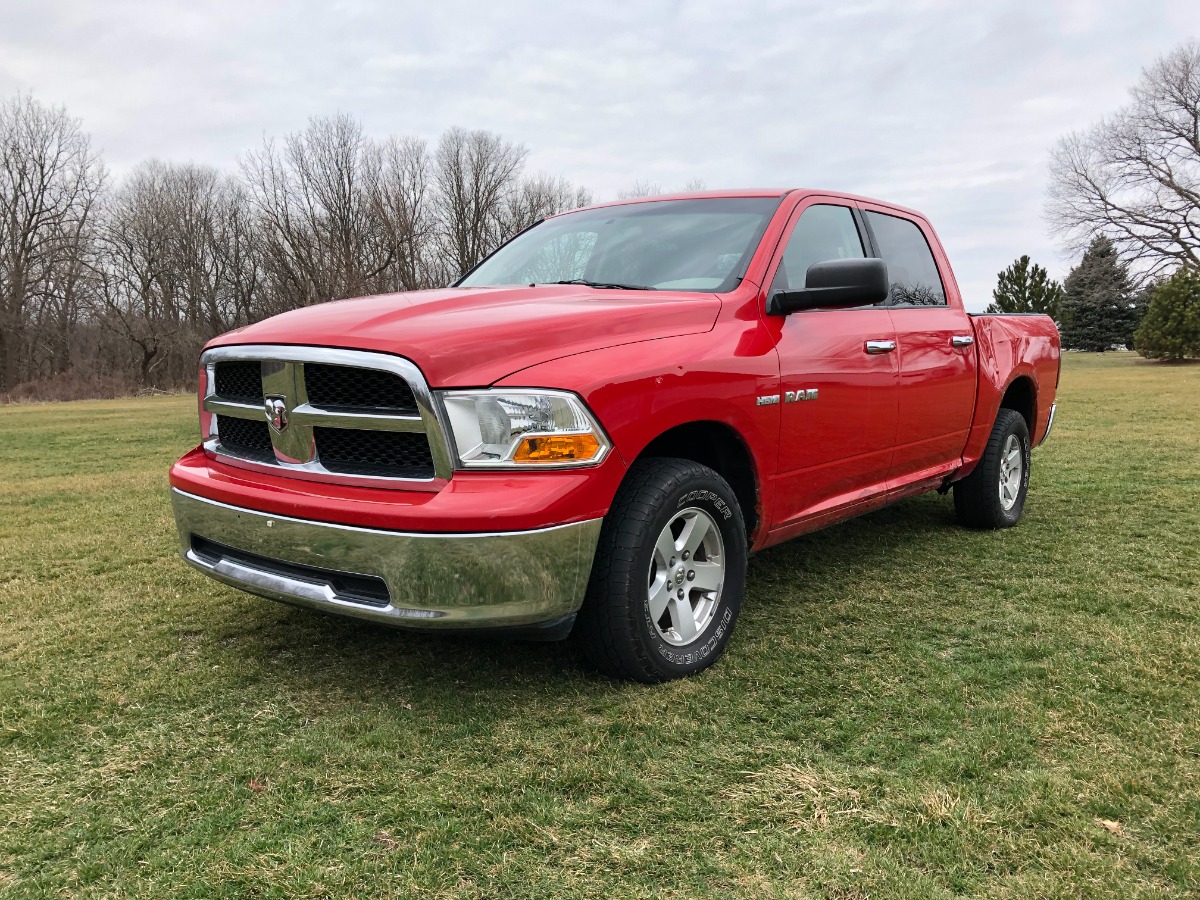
<point x="471" y="337"/>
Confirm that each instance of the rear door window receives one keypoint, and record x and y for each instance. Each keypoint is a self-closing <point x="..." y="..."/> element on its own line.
<point x="912" y="271"/>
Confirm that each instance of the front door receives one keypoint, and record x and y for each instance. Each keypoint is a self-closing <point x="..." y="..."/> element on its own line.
<point x="838" y="377"/>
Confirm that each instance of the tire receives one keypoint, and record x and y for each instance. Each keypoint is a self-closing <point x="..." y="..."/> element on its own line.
<point x="993" y="495"/>
<point x="665" y="508"/>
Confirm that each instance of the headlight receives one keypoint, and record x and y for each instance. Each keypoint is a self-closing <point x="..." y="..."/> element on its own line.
<point x="506" y="429"/>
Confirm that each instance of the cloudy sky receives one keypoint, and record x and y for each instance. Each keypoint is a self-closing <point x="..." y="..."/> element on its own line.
<point x="949" y="107"/>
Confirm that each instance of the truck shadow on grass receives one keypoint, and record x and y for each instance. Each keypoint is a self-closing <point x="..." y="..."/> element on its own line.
<point x="367" y="660"/>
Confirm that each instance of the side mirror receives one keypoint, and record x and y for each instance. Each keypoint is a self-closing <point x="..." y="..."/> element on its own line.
<point x="835" y="284"/>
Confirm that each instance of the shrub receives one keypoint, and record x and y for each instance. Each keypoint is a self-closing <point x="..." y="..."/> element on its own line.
<point x="1171" y="327"/>
<point x="70" y="385"/>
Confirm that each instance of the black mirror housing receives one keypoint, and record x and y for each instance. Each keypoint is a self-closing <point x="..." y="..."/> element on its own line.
<point x="835" y="284"/>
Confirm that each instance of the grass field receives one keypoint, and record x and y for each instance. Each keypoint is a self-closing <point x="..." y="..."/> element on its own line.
<point x="907" y="709"/>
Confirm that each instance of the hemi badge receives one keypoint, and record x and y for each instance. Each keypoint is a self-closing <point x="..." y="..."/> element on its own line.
<point x="768" y="400"/>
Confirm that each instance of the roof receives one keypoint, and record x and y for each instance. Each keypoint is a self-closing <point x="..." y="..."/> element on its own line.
<point x="754" y="192"/>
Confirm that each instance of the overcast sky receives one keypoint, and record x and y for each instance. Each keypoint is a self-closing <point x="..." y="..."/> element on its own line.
<point x="949" y="107"/>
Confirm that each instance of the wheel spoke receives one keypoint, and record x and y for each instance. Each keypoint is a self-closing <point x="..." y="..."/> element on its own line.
<point x="683" y="617"/>
<point x="660" y="596"/>
<point x="693" y="534"/>
<point x="665" y="548"/>
<point x="1012" y="471"/>
<point x="709" y="575"/>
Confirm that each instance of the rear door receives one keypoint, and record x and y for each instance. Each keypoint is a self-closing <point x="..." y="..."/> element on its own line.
<point x="837" y="376"/>
<point x="935" y="348"/>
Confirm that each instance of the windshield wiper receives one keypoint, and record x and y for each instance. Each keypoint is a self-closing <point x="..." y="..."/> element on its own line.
<point x="613" y="285"/>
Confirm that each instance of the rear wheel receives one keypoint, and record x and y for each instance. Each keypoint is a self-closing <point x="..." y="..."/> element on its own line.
<point x="993" y="495"/>
<point x="669" y="574"/>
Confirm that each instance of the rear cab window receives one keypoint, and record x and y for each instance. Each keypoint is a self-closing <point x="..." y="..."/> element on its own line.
<point x="912" y="270"/>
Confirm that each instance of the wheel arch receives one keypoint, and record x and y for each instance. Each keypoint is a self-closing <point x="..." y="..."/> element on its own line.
<point x="1020" y="395"/>
<point x="723" y="449"/>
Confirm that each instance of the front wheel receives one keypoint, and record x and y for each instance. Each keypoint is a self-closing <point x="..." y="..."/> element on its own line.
<point x="993" y="495"/>
<point x="669" y="574"/>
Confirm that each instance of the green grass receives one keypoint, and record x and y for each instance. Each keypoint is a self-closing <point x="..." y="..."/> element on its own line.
<point x="907" y="709"/>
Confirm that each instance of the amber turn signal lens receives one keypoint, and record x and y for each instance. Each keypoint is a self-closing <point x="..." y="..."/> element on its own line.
<point x="557" y="448"/>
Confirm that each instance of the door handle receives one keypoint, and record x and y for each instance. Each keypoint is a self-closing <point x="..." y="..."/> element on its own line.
<point x="874" y="347"/>
<point x="962" y="340"/>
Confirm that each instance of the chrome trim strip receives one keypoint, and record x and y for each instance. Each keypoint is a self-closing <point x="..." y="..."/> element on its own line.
<point x="1049" y="422"/>
<point x="295" y="451"/>
<point x="231" y="572"/>
<point x="312" y="415"/>
<point x="229" y="408"/>
<point x="466" y="580"/>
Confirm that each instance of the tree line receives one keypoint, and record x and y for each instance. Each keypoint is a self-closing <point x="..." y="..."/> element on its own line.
<point x="119" y="283"/>
<point x="108" y="285"/>
<point x="1126" y="194"/>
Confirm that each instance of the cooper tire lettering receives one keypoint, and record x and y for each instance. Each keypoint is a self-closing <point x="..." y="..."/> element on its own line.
<point x="621" y="632"/>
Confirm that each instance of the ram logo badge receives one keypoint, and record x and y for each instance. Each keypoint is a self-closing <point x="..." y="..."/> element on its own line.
<point x="805" y="394"/>
<point x="277" y="414"/>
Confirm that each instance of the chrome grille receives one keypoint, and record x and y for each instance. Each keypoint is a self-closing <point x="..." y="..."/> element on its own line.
<point x="321" y="414"/>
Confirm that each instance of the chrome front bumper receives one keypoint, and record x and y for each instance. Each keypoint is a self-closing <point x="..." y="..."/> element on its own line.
<point x="443" y="581"/>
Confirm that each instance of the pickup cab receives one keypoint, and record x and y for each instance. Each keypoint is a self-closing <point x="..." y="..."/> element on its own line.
<point x="591" y="430"/>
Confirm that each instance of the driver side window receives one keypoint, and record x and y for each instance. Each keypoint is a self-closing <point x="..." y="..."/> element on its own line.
<point x="822" y="233"/>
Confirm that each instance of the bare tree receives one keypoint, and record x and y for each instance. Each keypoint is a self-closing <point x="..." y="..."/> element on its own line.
<point x="401" y="201"/>
<point x="1135" y="177"/>
<point x="127" y="285"/>
<point x="139" y="297"/>
<point x="641" y="189"/>
<point x="49" y="182"/>
<point x="238" y="247"/>
<point x="475" y="173"/>
<point x="537" y="197"/>
<point x="178" y="264"/>
<point x="322" y="238"/>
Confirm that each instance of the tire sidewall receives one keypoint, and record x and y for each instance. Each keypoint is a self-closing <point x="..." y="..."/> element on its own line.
<point x="1016" y="427"/>
<point x="716" y="499"/>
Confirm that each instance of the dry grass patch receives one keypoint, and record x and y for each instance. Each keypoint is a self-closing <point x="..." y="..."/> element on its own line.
<point x="907" y="710"/>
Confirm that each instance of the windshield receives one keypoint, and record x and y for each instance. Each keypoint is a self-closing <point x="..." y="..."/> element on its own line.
<point x="678" y="245"/>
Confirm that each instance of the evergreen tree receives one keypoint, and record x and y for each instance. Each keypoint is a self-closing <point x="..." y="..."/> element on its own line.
<point x="1141" y="305"/>
<point x="1171" y="328"/>
<point x="1098" y="308"/>
<point x="1022" y="288"/>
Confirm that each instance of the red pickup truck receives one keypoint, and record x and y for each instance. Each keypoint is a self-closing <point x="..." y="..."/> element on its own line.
<point x="591" y="429"/>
